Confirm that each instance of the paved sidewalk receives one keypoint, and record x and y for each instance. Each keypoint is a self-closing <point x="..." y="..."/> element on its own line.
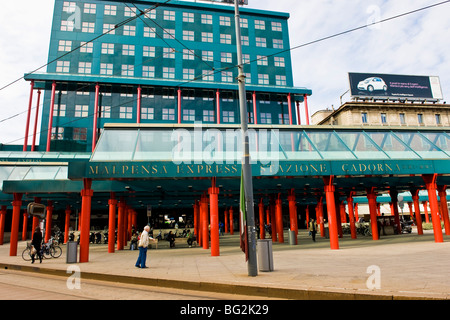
<point x="411" y="267"/>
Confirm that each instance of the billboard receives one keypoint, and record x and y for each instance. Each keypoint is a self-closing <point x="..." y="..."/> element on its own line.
<point x="395" y="87"/>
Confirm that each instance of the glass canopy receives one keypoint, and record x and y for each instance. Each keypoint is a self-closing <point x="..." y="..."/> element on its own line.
<point x="225" y="144"/>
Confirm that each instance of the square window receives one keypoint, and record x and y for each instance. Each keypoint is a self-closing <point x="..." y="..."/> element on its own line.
<point x="81" y="111"/>
<point x="225" y="21"/>
<point x="147" y="113"/>
<point x="80" y="134"/>
<point x="206" y="19"/>
<point x="84" y="67"/>
<point x="260" y="25"/>
<point x="188" y="35"/>
<point x="276" y="26"/>
<point x="63" y="66"/>
<point x="208" y="75"/>
<point x="128" y="50"/>
<point x="148" y="51"/>
<point x="278" y="44"/>
<point x="263" y="79"/>
<point x="227" y="76"/>
<point x="110" y="10"/>
<point x="188" y="74"/>
<point x="126" y="113"/>
<point x="225" y="38"/>
<point x="90" y="8"/>
<point x="149" y="32"/>
<point x="279" y="62"/>
<point x="208" y="116"/>
<point x="105" y="112"/>
<point x="88" y="27"/>
<point x="169" y="34"/>
<point x="169" y="15"/>
<point x="280" y="80"/>
<point x="148" y="71"/>
<point x="226" y="57"/>
<point x="65" y="45"/>
<point x="188" y="17"/>
<point x="261" y="42"/>
<point x="262" y="61"/>
<point x="109" y="28"/>
<point x="169" y="53"/>
<point x="168" y="114"/>
<point x="87" y="47"/>
<point x="188" y="115"/>
<point x="168" y="73"/>
<point x="228" y="117"/>
<point x="127" y="70"/>
<point x="208" y="56"/>
<point x="207" y="37"/>
<point x="67" y="25"/>
<point x="130" y="12"/>
<point x="106" y="69"/>
<point x="107" y="48"/>
<point x="188" y="54"/>
<point x="129" y="31"/>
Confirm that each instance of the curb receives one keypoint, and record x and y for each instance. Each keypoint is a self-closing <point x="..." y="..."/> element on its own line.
<point x="258" y="291"/>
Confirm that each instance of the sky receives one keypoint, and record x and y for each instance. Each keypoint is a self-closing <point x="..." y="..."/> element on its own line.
<point x="415" y="44"/>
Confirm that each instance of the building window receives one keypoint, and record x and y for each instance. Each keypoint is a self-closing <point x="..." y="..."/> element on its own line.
<point x="59" y="111"/>
<point x="169" y="34"/>
<point x="438" y="119"/>
<point x="276" y="26"/>
<point x="206" y="19"/>
<point x="228" y="117"/>
<point x="129" y="31"/>
<point x="168" y="73"/>
<point x="278" y="44"/>
<point x="148" y="71"/>
<point x="128" y="50"/>
<point x="63" y="66"/>
<point x="245" y="58"/>
<point x="127" y="70"/>
<point x="227" y="76"/>
<point x="126" y="113"/>
<point x="225" y="21"/>
<point x="260" y="25"/>
<point x="105" y="112"/>
<point x="208" y="75"/>
<point x="226" y="57"/>
<point x="109" y="28"/>
<point x="130" y="12"/>
<point x="168" y="114"/>
<point x="263" y="79"/>
<point x="88" y="27"/>
<point x="188" y="74"/>
<point x="148" y="51"/>
<point x="188" y="17"/>
<point x="110" y="10"/>
<point x="67" y="25"/>
<point x="80" y="134"/>
<point x="283" y="118"/>
<point x="188" y="115"/>
<point x="245" y="41"/>
<point x="169" y="53"/>
<point x="420" y="118"/>
<point x="208" y="116"/>
<point x="169" y="15"/>
<point x="262" y="61"/>
<point x="147" y="113"/>
<point x="188" y="35"/>
<point x="90" y="8"/>
<point x="149" y="32"/>
<point x="57" y="133"/>
<point x="65" y="45"/>
<point x="402" y="118"/>
<point x="207" y="37"/>
<point x="279" y="62"/>
<point x="87" y="47"/>
<point x="364" y="117"/>
<point x="383" y="118"/>
<point x="266" y="118"/>
<point x="261" y="42"/>
<point x="106" y="69"/>
<point x="225" y="38"/>
<point x="244" y="23"/>
<point x="107" y="48"/>
<point x="81" y="111"/>
<point x="188" y="54"/>
<point x="280" y="80"/>
<point x="208" y="56"/>
<point x="69" y="7"/>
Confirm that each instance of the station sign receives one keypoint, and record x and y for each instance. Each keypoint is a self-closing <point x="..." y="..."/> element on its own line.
<point x="395" y="87"/>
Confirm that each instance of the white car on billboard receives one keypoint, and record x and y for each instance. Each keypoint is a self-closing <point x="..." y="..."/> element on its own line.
<point x="373" y="84"/>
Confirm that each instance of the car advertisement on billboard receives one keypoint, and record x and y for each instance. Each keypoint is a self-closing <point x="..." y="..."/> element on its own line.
<point x="395" y="87"/>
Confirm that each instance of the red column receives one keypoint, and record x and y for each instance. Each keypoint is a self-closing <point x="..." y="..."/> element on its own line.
<point x="112" y="224"/>
<point x="226" y="217"/>
<point x="262" y="231"/>
<point x="218" y="106"/>
<point x="86" y="198"/>
<point x="273" y="219"/>
<point x="351" y="215"/>
<point x="293" y="214"/>
<point x="94" y="127"/>
<point x="204" y="218"/>
<point x="179" y="105"/>
<point x="290" y="108"/>
<point x="27" y="126"/>
<point x="255" y="114"/>
<point x="430" y="181"/>
<point x="415" y="197"/>
<point x="231" y="221"/>
<point x="444" y="208"/>
<point x="17" y="203"/>
<point x="139" y="104"/>
<point x="319" y="216"/>
<point x="48" y="221"/>
<point x="67" y="224"/>
<point x="306" y="109"/>
<point x="372" y="197"/>
<point x="214" y="218"/>
<point x="394" y="199"/>
<point x="24" y="225"/>
<point x="279" y="218"/>
<point x="2" y="223"/>
<point x="196" y="213"/>
<point x="50" y="118"/>
<point x="331" y="212"/>
<point x="36" y="122"/>
<point x="411" y="211"/>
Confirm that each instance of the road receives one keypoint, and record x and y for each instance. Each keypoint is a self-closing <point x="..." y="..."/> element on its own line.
<point x="18" y="285"/>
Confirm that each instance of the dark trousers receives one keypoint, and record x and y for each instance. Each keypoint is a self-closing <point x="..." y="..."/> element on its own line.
<point x="313" y="235"/>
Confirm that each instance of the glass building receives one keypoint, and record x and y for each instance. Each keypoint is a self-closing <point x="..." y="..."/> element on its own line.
<point x="160" y="62"/>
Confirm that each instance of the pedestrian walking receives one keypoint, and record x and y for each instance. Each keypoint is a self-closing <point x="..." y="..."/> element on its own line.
<point x="143" y="247"/>
<point x="313" y="229"/>
<point x="36" y="244"/>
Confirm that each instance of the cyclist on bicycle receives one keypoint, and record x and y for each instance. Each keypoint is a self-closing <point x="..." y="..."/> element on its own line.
<point x="36" y="245"/>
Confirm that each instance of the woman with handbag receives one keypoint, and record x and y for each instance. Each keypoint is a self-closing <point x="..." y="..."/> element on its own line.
<point x="36" y="245"/>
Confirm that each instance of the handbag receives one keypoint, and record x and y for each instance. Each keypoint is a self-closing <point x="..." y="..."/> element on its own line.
<point x="33" y="250"/>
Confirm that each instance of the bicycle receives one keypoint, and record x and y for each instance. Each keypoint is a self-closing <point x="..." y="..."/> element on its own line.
<point x="51" y="249"/>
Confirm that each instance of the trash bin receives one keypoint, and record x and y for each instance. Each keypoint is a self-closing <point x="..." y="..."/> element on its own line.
<point x="72" y="252"/>
<point x="292" y="239"/>
<point x="265" y="255"/>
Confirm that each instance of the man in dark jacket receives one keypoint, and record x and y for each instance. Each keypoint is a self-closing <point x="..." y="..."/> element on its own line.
<point x="36" y="243"/>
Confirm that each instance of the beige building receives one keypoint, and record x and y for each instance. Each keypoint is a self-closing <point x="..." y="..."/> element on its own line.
<point x="385" y="114"/>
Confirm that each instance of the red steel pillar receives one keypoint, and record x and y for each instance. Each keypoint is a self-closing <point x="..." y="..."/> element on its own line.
<point x="351" y="215"/>
<point x="394" y="199"/>
<point x="24" y="225"/>
<point x="262" y="231"/>
<point x="204" y="218"/>
<point x="231" y="221"/>
<point x="2" y="223"/>
<point x="273" y="219"/>
<point x="425" y="209"/>
<point x="372" y="197"/>
<point x="48" y="221"/>
<point x="306" y="109"/>
<point x="255" y="114"/>
<point x="50" y="118"/>
<point x="214" y="218"/>
<point x="290" y="108"/>
<point x="179" y="105"/>
<point x="293" y="214"/>
<point x="430" y="181"/>
<point x="415" y="197"/>
<point x="279" y="218"/>
<point x="112" y="202"/>
<point x="226" y="217"/>
<point x="67" y="223"/>
<point x="218" y="105"/>
<point x="444" y="208"/>
<point x="94" y="127"/>
<point x="331" y="212"/>
<point x="86" y="198"/>
<point x="33" y="145"/>
<point x="319" y="216"/>
<point x="17" y="203"/>
<point x="139" y="104"/>
<point x="27" y="126"/>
